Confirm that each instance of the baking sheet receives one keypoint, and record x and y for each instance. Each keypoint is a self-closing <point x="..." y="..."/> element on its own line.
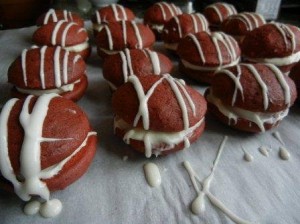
<point x="265" y="190"/>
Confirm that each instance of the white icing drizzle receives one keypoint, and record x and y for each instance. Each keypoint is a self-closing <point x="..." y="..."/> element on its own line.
<point x="124" y="31"/>
<point x="162" y="10"/>
<point x="65" y="67"/>
<point x="124" y="66"/>
<point x="262" y="84"/>
<point x="30" y="155"/>
<point x="109" y="37"/>
<point x="129" y="62"/>
<point x="154" y="61"/>
<point x="24" y="69"/>
<point x="278" y="137"/>
<point x="42" y="66"/>
<point x="247" y="156"/>
<point x="137" y="34"/>
<point x="286" y="33"/>
<point x="251" y="20"/>
<point x="178" y="26"/>
<point x="198" y="46"/>
<point x="264" y="151"/>
<point x="203" y="21"/>
<point x="64" y="34"/>
<point x="282" y="81"/>
<point x="143" y="111"/>
<point x="51" y="13"/>
<point x="123" y="12"/>
<point x="98" y="17"/>
<point x="284" y="153"/>
<point x="198" y="205"/>
<point x="152" y="174"/>
<point x="216" y="7"/>
<point x="115" y="11"/>
<point x="57" y="67"/>
<point x="76" y="58"/>
<point x="55" y="31"/>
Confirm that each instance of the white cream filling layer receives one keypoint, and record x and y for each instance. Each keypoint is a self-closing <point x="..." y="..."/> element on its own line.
<point x="78" y="47"/>
<point x="233" y="113"/>
<point x="109" y="52"/>
<point x="155" y="141"/>
<point x="208" y="68"/>
<point x="171" y="46"/>
<point x="293" y="58"/>
<point x="60" y="90"/>
<point x="158" y="27"/>
<point x="98" y="27"/>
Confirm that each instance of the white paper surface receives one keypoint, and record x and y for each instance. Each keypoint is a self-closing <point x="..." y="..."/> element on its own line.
<point x="115" y="191"/>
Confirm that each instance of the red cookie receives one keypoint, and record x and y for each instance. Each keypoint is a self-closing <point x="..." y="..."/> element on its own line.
<point x="159" y="14"/>
<point x="180" y="26"/>
<point x="118" y="67"/>
<point x="68" y="35"/>
<point x="56" y="15"/>
<point x="274" y="43"/>
<point x="203" y="53"/>
<point x="116" y="36"/>
<point x="48" y="70"/>
<point x="251" y="97"/>
<point x="240" y="24"/>
<point x="216" y="13"/>
<point x="158" y="114"/>
<point x="295" y="75"/>
<point x="41" y="154"/>
<point x="110" y="13"/>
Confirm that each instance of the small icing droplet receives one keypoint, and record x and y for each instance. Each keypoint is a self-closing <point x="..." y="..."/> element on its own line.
<point x="284" y="153"/>
<point x="51" y="208"/>
<point x="152" y="174"/>
<point x="248" y="157"/>
<point x="32" y="208"/>
<point x="264" y="151"/>
<point x="198" y="205"/>
<point x="278" y="137"/>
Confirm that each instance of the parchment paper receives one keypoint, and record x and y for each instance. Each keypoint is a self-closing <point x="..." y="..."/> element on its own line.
<point x="115" y="191"/>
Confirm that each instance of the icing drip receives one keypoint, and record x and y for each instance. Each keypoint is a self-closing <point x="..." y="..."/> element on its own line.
<point x="198" y="204"/>
<point x="152" y="174"/>
<point x="137" y="34"/>
<point x="198" y="46"/>
<point x="143" y="111"/>
<point x="24" y="69"/>
<point x="32" y="208"/>
<point x="278" y="137"/>
<point x="284" y="153"/>
<point x="51" y="13"/>
<point x="115" y="11"/>
<point x="248" y="157"/>
<point x="264" y="151"/>
<point x="178" y="26"/>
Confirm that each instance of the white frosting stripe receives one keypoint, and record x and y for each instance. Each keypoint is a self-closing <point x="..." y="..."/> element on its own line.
<point x="24" y="67"/>
<point x="42" y="66"/>
<point x="124" y="66"/>
<point x="178" y="26"/>
<point x="137" y="34"/>
<point x="162" y="10"/>
<point x="198" y="46"/>
<point x="286" y="33"/>
<point x="98" y="18"/>
<point x="124" y="30"/>
<point x="65" y="67"/>
<point x="109" y="37"/>
<point x="64" y="34"/>
<point x="129" y="62"/>
<point x="55" y="31"/>
<point x="51" y="13"/>
<point x="262" y="84"/>
<point x="57" y="75"/>
<point x="115" y="11"/>
<point x="154" y="61"/>
<point x="169" y="8"/>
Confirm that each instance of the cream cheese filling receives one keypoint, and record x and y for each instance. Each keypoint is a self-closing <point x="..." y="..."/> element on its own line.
<point x="60" y="90"/>
<point x="208" y="68"/>
<point x="78" y="47"/>
<point x="109" y="52"/>
<point x="293" y="58"/>
<point x="233" y="113"/>
<point x="155" y="141"/>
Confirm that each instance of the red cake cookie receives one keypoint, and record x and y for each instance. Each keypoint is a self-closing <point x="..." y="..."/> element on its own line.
<point x="47" y="144"/>
<point x="110" y="13"/>
<point x="274" y="43"/>
<point x="44" y="70"/>
<point x="116" y="36"/>
<point x="159" y="14"/>
<point x="295" y="75"/>
<point x="118" y="68"/>
<point x="57" y="15"/>
<point x="158" y="114"/>
<point x="251" y="97"/>
<point x="216" y="13"/>
<point x="180" y="26"/>
<point x="203" y="53"/>
<point x="68" y="35"/>
<point x="240" y="24"/>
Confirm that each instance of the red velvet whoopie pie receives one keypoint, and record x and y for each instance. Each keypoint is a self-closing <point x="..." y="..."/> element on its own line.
<point x="251" y="97"/>
<point x="119" y="67"/>
<point x="42" y="70"/>
<point x="68" y="35"/>
<point x="158" y="114"/>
